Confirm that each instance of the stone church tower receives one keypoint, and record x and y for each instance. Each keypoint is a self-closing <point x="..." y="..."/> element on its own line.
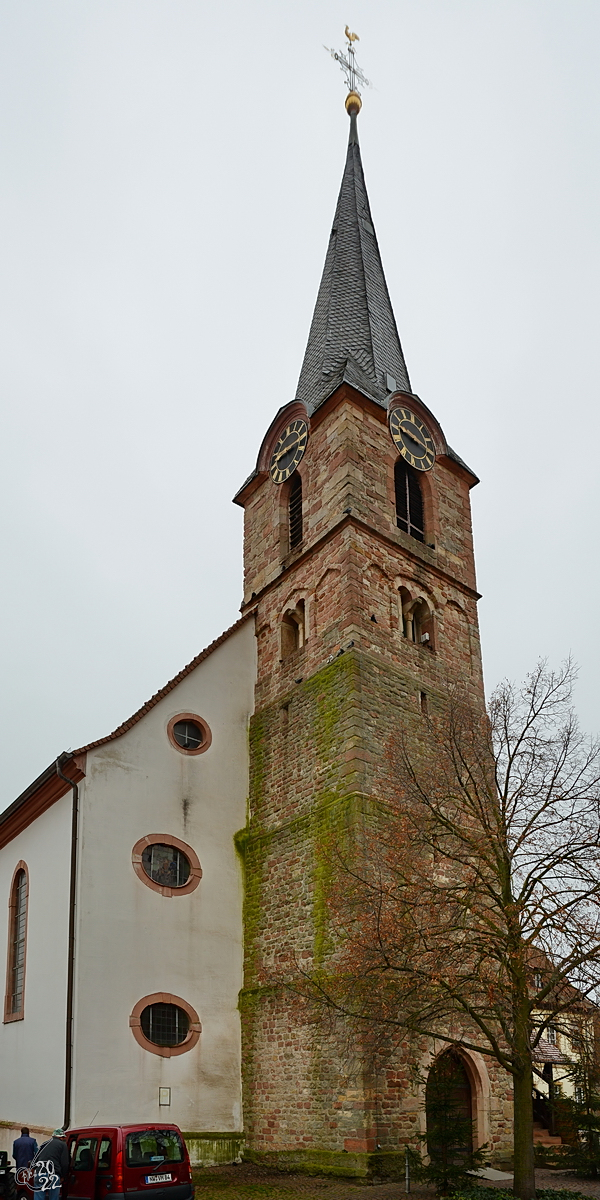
<point x="359" y="569"/>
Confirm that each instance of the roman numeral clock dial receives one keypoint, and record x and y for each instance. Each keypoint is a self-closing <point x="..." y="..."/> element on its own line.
<point x="290" y="447"/>
<point x="412" y="439"/>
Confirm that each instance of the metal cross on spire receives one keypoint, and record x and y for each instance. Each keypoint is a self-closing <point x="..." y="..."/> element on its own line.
<point x="347" y="62"/>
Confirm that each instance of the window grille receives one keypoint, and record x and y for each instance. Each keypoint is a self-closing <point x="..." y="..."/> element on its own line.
<point x="188" y="735"/>
<point x="295" y="511"/>
<point x="166" y="865"/>
<point x="551" y="1035"/>
<point x="165" y="1024"/>
<point x="17" y="943"/>
<point x="409" y="501"/>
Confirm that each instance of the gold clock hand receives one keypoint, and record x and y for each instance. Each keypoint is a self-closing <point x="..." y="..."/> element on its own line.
<point x="286" y="449"/>
<point x="416" y="436"/>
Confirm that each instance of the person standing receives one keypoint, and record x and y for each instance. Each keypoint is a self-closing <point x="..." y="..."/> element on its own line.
<point x="51" y="1166"/>
<point x="24" y="1148"/>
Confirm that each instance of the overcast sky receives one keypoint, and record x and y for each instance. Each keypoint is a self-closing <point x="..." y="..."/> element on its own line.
<point x="170" y="173"/>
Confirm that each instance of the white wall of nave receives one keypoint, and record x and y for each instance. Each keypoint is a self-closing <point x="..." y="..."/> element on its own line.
<point x="134" y="942"/>
<point x="32" y="1050"/>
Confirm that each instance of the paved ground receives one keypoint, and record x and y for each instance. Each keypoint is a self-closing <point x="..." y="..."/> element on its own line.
<point x="560" y="1180"/>
<point x="248" y="1182"/>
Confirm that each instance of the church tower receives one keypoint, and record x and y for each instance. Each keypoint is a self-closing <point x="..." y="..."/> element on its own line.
<point x="359" y="571"/>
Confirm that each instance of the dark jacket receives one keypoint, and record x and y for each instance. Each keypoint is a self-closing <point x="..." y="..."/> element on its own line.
<point x="23" y="1151"/>
<point x="55" y="1150"/>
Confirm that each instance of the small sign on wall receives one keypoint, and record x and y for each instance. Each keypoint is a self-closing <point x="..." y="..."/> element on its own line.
<point x="164" y="1095"/>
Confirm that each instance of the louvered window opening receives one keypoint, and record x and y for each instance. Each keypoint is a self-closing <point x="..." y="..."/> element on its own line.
<point x="19" y="926"/>
<point x="295" y="512"/>
<point x="165" y="1024"/>
<point x="409" y="501"/>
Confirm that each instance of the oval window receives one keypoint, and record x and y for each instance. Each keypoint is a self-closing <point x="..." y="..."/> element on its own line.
<point x="165" y="1024"/>
<point x="166" y="865"/>
<point x="189" y="733"/>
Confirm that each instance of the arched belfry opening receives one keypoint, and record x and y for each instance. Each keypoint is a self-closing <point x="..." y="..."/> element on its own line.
<point x="449" y="1107"/>
<point x="295" y="529"/>
<point x="293" y="629"/>
<point x="409" y="501"/>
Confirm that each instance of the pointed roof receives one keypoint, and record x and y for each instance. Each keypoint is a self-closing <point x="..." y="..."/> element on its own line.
<point x="353" y="335"/>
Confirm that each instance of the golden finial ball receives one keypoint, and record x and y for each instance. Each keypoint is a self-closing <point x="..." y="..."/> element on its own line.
<point x="353" y="104"/>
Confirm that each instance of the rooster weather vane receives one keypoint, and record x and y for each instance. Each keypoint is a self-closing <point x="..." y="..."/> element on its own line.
<point x="348" y="64"/>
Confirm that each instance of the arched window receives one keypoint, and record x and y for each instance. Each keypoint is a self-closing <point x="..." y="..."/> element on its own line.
<point x="417" y="620"/>
<point x="409" y="501"/>
<point x="14" y="1002"/>
<point x="295" y="511"/>
<point x="293" y="634"/>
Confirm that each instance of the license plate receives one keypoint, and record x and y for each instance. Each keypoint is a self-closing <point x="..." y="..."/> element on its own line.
<point x="158" y="1178"/>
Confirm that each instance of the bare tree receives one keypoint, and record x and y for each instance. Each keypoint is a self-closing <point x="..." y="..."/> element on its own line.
<point x="480" y="869"/>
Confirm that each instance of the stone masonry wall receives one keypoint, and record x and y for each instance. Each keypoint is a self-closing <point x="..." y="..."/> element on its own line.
<point x="325" y="717"/>
<point x="318" y="754"/>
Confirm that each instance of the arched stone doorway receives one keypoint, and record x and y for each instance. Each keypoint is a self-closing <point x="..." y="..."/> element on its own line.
<point x="449" y="1110"/>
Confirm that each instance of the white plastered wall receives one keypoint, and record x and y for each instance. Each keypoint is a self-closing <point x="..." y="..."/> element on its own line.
<point x="32" y="1051"/>
<point x="131" y="940"/>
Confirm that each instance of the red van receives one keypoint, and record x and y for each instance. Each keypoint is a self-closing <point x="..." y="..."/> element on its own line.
<point x="108" y="1162"/>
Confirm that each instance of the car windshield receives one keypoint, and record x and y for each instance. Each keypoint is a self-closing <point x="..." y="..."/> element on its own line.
<point x="149" y="1147"/>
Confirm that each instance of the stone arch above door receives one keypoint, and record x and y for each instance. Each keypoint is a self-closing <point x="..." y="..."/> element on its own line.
<point x="475" y="1069"/>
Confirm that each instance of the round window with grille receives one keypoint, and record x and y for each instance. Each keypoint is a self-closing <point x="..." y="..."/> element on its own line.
<point x="189" y="734"/>
<point x="165" y="1024"/>
<point x="166" y="865"/>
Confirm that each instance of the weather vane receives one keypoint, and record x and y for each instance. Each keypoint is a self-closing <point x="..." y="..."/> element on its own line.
<point x="352" y="72"/>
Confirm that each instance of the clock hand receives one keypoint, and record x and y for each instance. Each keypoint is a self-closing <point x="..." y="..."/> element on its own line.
<point x="286" y="449"/>
<point x="416" y="436"/>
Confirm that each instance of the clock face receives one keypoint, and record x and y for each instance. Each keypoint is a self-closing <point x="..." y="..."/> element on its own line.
<point x="289" y="450"/>
<point x="412" y="439"/>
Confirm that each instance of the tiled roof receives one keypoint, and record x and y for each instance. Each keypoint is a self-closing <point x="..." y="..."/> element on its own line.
<point x="353" y="337"/>
<point x="545" y="1052"/>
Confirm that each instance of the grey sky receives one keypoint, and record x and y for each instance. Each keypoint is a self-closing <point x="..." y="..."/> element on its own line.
<point x="170" y="172"/>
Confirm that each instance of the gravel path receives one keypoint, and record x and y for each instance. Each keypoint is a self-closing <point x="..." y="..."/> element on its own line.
<point x="249" y="1182"/>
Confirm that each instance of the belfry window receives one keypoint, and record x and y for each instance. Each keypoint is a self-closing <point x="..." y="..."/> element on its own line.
<point x="417" y="620"/>
<point x="15" y="983"/>
<point x="295" y="511"/>
<point x="409" y="501"/>
<point x="292" y="630"/>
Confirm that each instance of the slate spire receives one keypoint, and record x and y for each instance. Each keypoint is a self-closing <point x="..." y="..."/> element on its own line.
<point x="353" y="335"/>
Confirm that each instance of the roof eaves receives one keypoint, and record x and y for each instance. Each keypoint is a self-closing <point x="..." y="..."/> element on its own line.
<point x="33" y="787"/>
<point x="241" y="490"/>
<point x="461" y="462"/>
<point x="40" y="795"/>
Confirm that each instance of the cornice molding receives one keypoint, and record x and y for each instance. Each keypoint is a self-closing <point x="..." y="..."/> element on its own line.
<point x="346" y="520"/>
